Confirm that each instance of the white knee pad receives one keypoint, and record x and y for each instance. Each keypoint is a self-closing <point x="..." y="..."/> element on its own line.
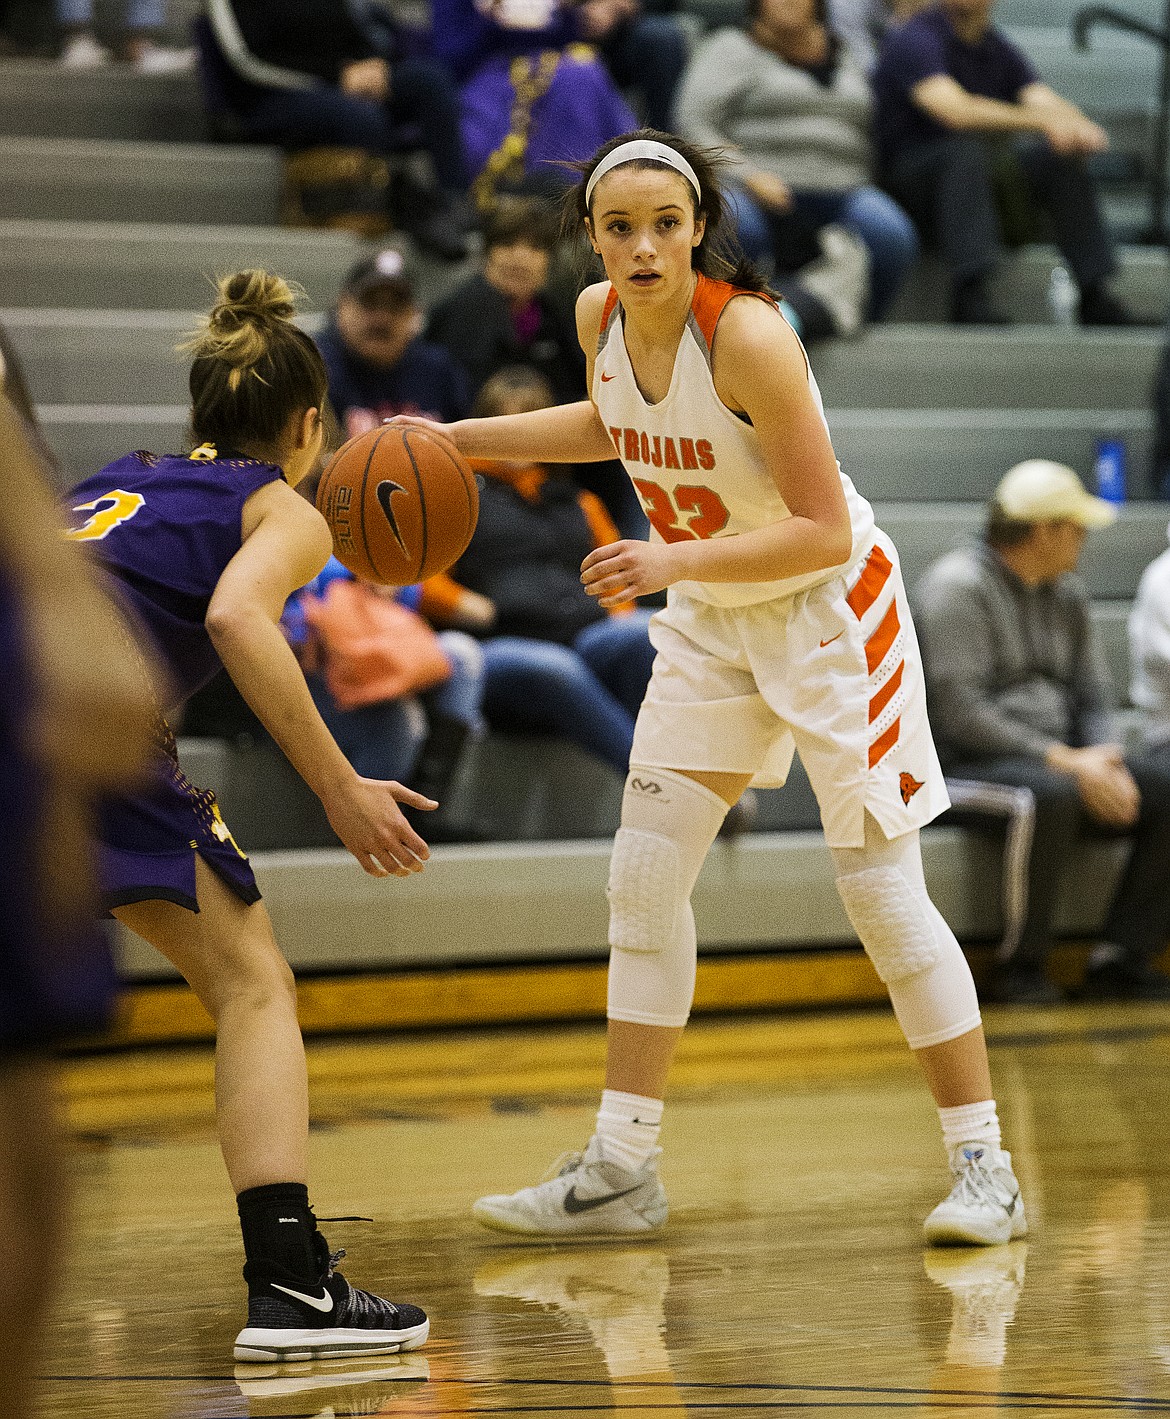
<point x="889" y="915"/>
<point x="911" y="946"/>
<point x="668" y="824"/>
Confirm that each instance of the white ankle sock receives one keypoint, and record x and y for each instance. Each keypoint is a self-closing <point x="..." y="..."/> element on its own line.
<point x="627" y="1128"/>
<point x="970" y="1123"/>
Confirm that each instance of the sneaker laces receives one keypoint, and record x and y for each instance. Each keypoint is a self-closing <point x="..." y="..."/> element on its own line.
<point x="975" y="1185"/>
<point x="559" y="1167"/>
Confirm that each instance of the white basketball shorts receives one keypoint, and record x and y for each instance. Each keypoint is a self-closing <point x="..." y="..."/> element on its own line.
<point x="833" y="673"/>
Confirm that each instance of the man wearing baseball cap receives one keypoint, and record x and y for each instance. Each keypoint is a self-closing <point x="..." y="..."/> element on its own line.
<point x="1021" y="706"/>
<point x="379" y="365"/>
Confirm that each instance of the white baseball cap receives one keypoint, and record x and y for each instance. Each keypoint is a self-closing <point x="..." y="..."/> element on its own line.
<point x="1041" y="491"/>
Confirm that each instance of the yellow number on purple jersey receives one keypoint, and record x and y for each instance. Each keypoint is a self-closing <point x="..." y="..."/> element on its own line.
<point x="109" y="511"/>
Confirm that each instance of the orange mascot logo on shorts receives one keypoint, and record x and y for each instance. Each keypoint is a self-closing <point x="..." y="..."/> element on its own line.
<point x="909" y="786"/>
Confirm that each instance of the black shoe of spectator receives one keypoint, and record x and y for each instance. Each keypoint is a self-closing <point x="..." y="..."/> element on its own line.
<point x="1125" y="980"/>
<point x="971" y="305"/>
<point x="1099" y="306"/>
<point x="1022" y="985"/>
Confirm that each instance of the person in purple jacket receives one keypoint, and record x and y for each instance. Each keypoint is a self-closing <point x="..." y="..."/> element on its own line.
<point x="204" y="551"/>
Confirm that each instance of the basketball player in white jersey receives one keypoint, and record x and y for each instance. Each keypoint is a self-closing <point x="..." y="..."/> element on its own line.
<point x="786" y="627"/>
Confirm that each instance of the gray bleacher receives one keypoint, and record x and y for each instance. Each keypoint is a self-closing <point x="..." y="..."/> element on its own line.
<point x="117" y="213"/>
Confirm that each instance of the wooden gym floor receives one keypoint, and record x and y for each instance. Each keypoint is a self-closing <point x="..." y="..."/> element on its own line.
<point x="801" y="1154"/>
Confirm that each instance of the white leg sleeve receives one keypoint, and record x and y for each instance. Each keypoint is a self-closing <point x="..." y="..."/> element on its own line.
<point x="905" y="936"/>
<point x="668" y="825"/>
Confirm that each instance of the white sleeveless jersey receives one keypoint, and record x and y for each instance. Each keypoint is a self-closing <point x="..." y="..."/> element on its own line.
<point x="696" y="466"/>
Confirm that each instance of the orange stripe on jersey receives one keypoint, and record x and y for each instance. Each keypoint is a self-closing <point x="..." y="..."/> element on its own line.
<point x="878" y="568"/>
<point x="710" y="299"/>
<point x="881" y="747"/>
<point x="886" y="693"/>
<point x="883" y="638"/>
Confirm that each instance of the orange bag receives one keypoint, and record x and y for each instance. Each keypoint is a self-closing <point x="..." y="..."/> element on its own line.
<point x="372" y="647"/>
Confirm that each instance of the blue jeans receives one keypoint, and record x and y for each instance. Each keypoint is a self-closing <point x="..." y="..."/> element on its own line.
<point x="422" y="95"/>
<point x="140" y="14"/>
<point x="588" y="693"/>
<point x="382" y="740"/>
<point x="872" y="216"/>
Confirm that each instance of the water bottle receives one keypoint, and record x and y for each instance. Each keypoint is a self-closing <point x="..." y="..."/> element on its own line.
<point x="1109" y="470"/>
<point x="1064" y="299"/>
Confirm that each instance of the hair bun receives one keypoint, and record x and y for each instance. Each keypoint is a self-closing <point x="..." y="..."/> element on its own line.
<point x="238" y="328"/>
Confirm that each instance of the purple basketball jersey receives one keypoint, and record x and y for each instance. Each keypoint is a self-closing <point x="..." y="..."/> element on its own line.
<point x="167" y="527"/>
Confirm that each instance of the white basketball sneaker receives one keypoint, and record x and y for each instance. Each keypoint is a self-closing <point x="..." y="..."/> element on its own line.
<point x="583" y="1195"/>
<point x="984" y="1207"/>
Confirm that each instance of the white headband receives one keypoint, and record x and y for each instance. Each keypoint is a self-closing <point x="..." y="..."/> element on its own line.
<point x="641" y="149"/>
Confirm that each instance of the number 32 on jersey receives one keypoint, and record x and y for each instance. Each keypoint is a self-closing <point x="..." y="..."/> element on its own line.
<point x="688" y="513"/>
<point x="111" y="510"/>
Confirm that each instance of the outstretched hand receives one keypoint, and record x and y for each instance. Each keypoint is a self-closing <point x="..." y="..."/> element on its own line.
<point x="367" y="819"/>
<point x="625" y="570"/>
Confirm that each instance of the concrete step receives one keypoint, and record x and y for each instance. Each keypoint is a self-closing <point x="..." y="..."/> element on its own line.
<point x="101" y="356"/>
<point x="1057" y="14"/>
<point x="38" y="100"/>
<point x="1021" y="286"/>
<point x="100" y="180"/>
<point x="132" y="266"/>
<point x="1019" y="367"/>
<point x="933" y="455"/>
<point x="943" y="455"/>
<point x="1111" y="564"/>
<point x="532" y="902"/>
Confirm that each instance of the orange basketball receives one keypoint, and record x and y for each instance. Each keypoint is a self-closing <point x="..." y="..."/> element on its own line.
<point x="401" y="504"/>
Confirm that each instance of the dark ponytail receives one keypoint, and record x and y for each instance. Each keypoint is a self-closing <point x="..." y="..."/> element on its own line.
<point x="253" y="369"/>
<point x="719" y="254"/>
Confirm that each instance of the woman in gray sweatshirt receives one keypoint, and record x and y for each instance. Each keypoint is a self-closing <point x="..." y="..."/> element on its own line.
<point x="785" y="96"/>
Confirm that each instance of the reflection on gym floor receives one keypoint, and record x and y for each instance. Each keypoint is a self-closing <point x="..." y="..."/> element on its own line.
<point x="801" y="1155"/>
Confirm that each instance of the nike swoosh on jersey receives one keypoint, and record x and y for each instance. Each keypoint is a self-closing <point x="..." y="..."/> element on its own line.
<point x="317" y="1302"/>
<point x="605" y="378"/>
<point x="831" y="639"/>
<point x="385" y="491"/>
<point x="575" y="1204"/>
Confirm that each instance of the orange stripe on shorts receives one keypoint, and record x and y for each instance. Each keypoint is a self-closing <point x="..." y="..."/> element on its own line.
<point x="883" y="638"/>
<point x="886" y="693"/>
<point x="881" y="747"/>
<point x="869" y="585"/>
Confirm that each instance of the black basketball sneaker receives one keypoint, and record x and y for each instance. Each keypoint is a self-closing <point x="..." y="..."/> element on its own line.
<point x="290" y="1320"/>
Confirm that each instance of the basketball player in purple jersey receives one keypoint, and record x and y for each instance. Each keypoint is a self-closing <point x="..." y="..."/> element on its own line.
<point x="205" y="550"/>
<point x="75" y="713"/>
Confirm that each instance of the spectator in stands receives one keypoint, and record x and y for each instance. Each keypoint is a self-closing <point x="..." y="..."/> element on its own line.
<point x="505" y="314"/>
<point x="788" y="98"/>
<point x="533" y="95"/>
<point x="556" y="662"/>
<point x="1149" y="657"/>
<point x="337" y="73"/>
<point x="862" y="24"/>
<point x="960" y="111"/>
<point x="416" y="739"/>
<point x="378" y="363"/>
<point x="643" y="51"/>
<point x="508" y="315"/>
<point x="1161" y="468"/>
<point x="1020" y="695"/>
<point x="143" y="20"/>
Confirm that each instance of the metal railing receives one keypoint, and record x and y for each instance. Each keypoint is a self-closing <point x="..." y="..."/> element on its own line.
<point x="1084" y="22"/>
